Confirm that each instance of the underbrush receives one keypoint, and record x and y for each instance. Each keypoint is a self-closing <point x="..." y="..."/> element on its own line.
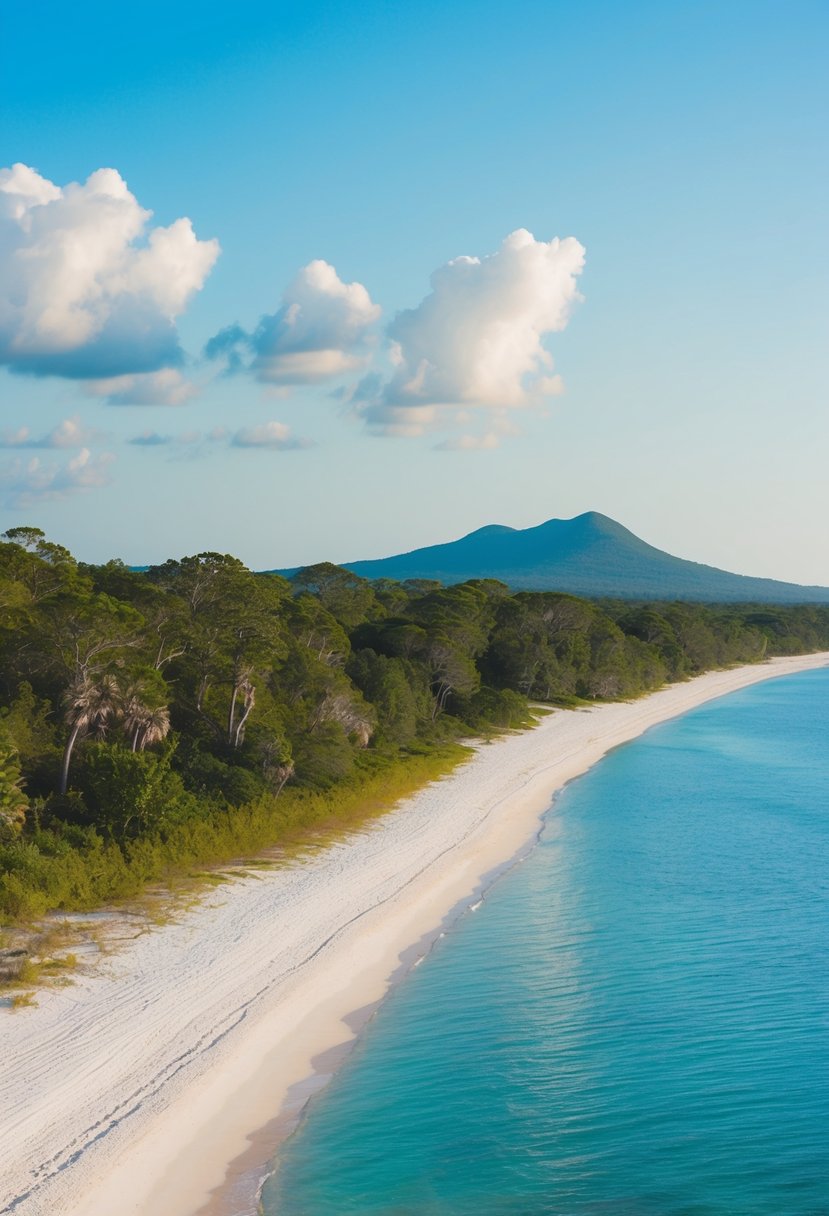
<point x="77" y="869"/>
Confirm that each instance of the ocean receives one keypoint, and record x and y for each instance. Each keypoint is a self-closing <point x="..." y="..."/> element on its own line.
<point x="634" y="1021"/>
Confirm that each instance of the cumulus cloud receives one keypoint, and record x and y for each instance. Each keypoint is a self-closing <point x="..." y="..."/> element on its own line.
<point x="183" y="440"/>
<point x="320" y="332"/>
<point x="164" y="387"/>
<point x="274" y="435"/>
<point x="478" y="339"/>
<point x="400" y="421"/>
<point x="67" y="434"/>
<point x="28" y="482"/>
<point x="88" y="288"/>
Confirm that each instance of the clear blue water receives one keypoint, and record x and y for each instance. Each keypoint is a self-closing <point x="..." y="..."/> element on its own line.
<point x="636" y="1020"/>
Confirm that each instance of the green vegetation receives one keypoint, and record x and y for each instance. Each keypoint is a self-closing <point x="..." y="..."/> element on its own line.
<point x="154" y="723"/>
<point x="29" y="961"/>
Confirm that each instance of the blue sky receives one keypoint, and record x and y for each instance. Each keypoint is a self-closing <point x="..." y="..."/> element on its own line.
<point x="682" y="147"/>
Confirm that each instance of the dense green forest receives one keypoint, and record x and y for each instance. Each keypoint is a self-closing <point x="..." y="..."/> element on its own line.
<point x="152" y="722"/>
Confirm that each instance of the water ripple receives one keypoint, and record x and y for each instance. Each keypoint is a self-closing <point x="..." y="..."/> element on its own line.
<point x="635" y="1022"/>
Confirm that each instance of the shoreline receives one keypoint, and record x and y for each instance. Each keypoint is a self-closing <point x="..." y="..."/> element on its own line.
<point x="162" y="1083"/>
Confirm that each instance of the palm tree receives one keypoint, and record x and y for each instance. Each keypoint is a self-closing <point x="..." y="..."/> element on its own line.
<point x="144" y="724"/>
<point x="277" y="766"/>
<point x="90" y="706"/>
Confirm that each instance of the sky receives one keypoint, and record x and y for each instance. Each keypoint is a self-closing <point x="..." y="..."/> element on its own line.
<point x="326" y="281"/>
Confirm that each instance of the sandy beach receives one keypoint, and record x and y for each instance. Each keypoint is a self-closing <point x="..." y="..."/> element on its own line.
<point x="134" y="1090"/>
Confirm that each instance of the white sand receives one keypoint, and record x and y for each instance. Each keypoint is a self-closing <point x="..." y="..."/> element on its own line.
<point x="130" y="1092"/>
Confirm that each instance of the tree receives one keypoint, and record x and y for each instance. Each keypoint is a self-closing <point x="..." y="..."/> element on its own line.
<point x="144" y="719"/>
<point x="165" y="612"/>
<point x="450" y="671"/>
<point x="255" y="641"/>
<point x="13" y="802"/>
<point x="457" y="622"/>
<point x="315" y="627"/>
<point x="650" y="625"/>
<point x="234" y="634"/>
<point x="127" y="788"/>
<point x="277" y="763"/>
<point x="387" y="684"/>
<point x="90" y="707"/>
<point x="40" y="565"/>
<point x="344" y="705"/>
<point x="349" y="598"/>
<point x="89" y="633"/>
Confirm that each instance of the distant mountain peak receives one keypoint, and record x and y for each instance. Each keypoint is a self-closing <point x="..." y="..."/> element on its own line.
<point x="590" y="555"/>
<point x="489" y="530"/>
<point x="593" y="517"/>
<point x="596" y="522"/>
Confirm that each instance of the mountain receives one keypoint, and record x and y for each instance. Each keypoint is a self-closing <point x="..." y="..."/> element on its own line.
<point x="590" y="555"/>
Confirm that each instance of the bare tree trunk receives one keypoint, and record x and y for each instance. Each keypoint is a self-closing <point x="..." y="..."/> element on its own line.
<point x="440" y="698"/>
<point x="250" y="701"/>
<point x="232" y="712"/>
<point x="67" y="756"/>
<point x="161" y="659"/>
<point x="283" y="781"/>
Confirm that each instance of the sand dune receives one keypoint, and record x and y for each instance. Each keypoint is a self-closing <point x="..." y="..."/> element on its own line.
<point x="130" y="1092"/>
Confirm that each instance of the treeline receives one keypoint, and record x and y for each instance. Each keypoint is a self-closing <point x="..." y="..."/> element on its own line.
<point x="159" y="720"/>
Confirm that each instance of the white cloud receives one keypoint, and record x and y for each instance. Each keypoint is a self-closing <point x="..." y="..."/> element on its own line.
<point x="67" y="434"/>
<point x="400" y="421"/>
<point x="501" y="424"/>
<point x="32" y="481"/>
<point x="164" y="387"/>
<point x="478" y="339"/>
<point x="151" y="439"/>
<point x="189" y="444"/>
<point x="88" y="289"/>
<point x="320" y="332"/>
<point x="273" y="435"/>
<point x="470" y="443"/>
<point x="305" y="366"/>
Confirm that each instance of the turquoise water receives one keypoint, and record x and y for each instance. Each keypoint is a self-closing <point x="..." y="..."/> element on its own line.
<point x="636" y="1020"/>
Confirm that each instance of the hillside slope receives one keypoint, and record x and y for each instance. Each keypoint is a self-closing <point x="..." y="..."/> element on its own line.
<point x="590" y="555"/>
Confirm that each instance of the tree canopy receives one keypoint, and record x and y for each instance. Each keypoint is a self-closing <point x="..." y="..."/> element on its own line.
<point x="132" y="703"/>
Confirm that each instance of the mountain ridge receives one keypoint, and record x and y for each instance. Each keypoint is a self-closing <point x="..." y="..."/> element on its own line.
<point x="590" y="555"/>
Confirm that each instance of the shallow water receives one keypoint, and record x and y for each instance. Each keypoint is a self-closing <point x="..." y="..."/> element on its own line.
<point x="636" y="1020"/>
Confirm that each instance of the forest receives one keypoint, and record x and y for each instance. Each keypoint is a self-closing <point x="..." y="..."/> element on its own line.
<point x="156" y="721"/>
